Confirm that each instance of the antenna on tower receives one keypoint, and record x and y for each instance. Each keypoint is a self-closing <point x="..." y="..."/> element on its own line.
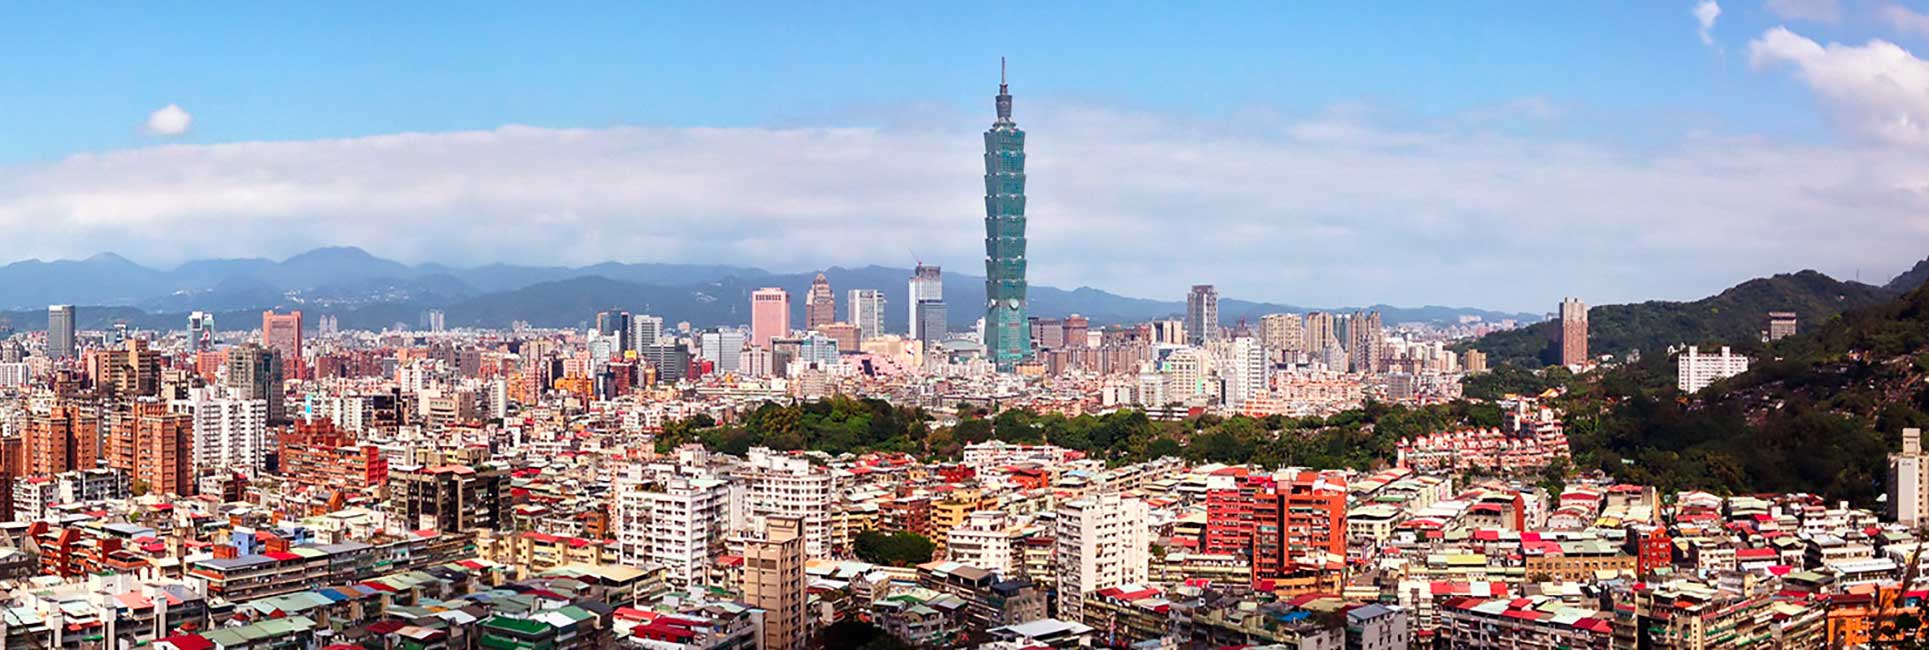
<point x="1001" y="71"/>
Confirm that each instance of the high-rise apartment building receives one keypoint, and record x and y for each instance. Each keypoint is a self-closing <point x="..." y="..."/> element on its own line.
<point x="1047" y="333"/>
<point x="645" y="330"/>
<point x="1695" y="371"/>
<point x="723" y="348"/>
<point x="1007" y="332"/>
<point x="449" y="498"/>
<point x="65" y="438"/>
<point x="1781" y="325"/>
<point x="614" y="326"/>
<point x="255" y="372"/>
<point x="985" y="540"/>
<point x="1573" y="332"/>
<point x="282" y="333"/>
<point x="200" y="331"/>
<point x="434" y="321"/>
<point x="779" y="485"/>
<point x="319" y="453"/>
<point x="773" y="581"/>
<point x="678" y="524"/>
<point x="151" y="443"/>
<point x="1302" y="520"/>
<point x="670" y="360"/>
<point x="769" y="315"/>
<point x="1909" y="482"/>
<point x="229" y="432"/>
<point x="932" y="324"/>
<point x="927" y="285"/>
<point x="60" y="332"/>
<point x="865" y="309"/>
<point x="1248" y="374"/>
<point x="1476" y="361"/>
<point x="1168" y="332"/>
<point x="1366" y="342"/>
<point x="820" y="306"/>
<point x="1077" y="330"/>
<point x="1101" y="541"/>
<point x="1283" y="335"/>
<point x="1202" y="314"/>
<point x="134" y="370"/>
<point x="1320" y="332"/>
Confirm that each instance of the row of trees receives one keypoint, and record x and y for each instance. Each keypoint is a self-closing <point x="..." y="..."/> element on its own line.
<point x="1360" y="438"/>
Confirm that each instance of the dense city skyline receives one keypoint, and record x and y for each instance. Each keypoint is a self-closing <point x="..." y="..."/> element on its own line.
<point x="469" y="327"/>
<point x="1289" y="157"/>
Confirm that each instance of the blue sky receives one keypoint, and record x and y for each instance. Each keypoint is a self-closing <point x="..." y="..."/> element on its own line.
<point x="79" y="74"/>
<point x="1628" y="91"/>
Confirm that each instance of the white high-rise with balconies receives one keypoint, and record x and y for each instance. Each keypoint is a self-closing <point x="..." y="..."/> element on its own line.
<point x="779" y="485"/>
<point x="229" y="432"/>
<point x="1102" y="541"/>
<point x="1909" y="481"/>
<point x="677" y="523"/>
<point x="1247" y="372"/>
<point x="984" y="541"/>
<point x="1696" y="371"/>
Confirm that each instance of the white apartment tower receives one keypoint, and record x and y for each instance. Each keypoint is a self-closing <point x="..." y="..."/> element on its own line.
<point x="1102" y="542"/>
<point x="1909" y="481"/>
<point x="678" y="523"/>
<point x="1247" y="374"/>
<point x="926" y="286"/>
<point x="984" y="541"/>
<point x="1696" y="371"/>
<point x="228" y="433"/>
<point x="865" y="309"/>
<point x="776" y="485"/>
<point x="645" y="330"/>
<point x="1185" y="371"/>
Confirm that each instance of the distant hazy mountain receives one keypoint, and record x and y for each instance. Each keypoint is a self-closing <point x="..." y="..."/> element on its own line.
<point x="1910" y="279"/>
<point x="363" y="290"/>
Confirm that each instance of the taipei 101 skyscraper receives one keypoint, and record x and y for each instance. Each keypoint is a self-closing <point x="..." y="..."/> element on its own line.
<point x="1007" y="333"/>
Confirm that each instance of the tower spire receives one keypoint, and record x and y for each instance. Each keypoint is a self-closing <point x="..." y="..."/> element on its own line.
<point x="1004" y="94"/>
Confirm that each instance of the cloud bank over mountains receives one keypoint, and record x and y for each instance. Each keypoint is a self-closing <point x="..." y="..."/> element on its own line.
<point x="1344" y="207"/>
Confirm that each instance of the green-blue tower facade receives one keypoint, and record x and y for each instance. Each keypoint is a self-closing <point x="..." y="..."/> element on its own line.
<point x="1007" y="332"/>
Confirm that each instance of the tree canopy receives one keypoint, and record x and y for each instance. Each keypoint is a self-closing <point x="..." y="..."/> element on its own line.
<point x="900" y="548"/>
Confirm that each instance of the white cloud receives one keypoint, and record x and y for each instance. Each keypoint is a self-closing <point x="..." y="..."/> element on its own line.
<point x="169" y="120"/>
<point x="1878" y="89"/>
<point x="1705" y="14"/>
<point x="1906" y="21"/>
<point x="1336" y="211"/>
<point x="1824" y="11"/>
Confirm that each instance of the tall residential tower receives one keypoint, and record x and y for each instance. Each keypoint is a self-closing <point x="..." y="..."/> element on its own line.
<point x="1007" y="333"/>
<point x="60" y="332"/>
<point x="1202" y="314"/>
<point x="1573" y="332"/>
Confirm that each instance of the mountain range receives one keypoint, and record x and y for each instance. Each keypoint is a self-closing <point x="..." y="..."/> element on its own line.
<point x="365" y="291"/>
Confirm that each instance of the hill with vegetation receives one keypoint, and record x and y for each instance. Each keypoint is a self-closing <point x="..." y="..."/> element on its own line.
<point x="1735" y="317"/>
<point x="1916" y="276"/>
<point x="1816" y="413"/>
